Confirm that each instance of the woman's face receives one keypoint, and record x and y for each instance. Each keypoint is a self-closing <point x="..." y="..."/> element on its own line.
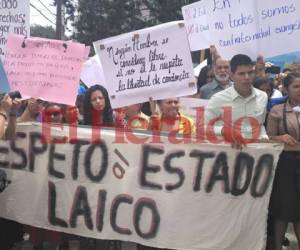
<point x="98" y="100"/>
<point x="169" y="107"/>
<point x="294" y="90"/>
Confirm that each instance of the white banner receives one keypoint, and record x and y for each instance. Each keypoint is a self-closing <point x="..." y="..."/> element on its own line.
<point x="187" y="196"/>
<point x="14" y="18"/>
<point x="250" y="27"/>
<point x="196" y="24"/>
<point x="189" y="106"/>
<point x="153" y="62"/>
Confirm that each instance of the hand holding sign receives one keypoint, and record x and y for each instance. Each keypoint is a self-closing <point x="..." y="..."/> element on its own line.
<point x="214" y="54"/>
<point x="153" y="107"/>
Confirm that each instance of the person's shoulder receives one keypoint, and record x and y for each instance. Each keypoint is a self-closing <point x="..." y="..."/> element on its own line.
<point x="279" y="106"/>
<point x="206" y="87"/>
<point x="277" y="110"/>
<point x="260" y="94"/>
<point x="225" y="93"/>
<point x="209" y="86"/>
<point x="185" y="118"/>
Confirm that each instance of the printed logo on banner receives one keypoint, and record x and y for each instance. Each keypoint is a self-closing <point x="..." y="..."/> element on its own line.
<point x="236" y="131"/>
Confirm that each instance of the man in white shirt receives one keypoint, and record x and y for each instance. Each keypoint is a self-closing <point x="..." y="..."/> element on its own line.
<point x="238" y="112"/>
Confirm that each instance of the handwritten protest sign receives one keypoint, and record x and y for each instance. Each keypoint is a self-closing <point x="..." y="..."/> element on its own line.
<point x="44" y="68"/>
<point x="4" y="85"/>
<point x="14" y="18"/>
<point x="282" y="18"/>
<point x="144" y="193"/>
<point x="196" y="25"/>
<point x="92" y="72"/>
<point x="250" y="27"/>
<point x="153" y="62"/>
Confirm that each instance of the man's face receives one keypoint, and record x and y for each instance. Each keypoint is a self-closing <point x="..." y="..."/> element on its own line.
<point x="243" y="76"/>
<point x="222" y="70"/>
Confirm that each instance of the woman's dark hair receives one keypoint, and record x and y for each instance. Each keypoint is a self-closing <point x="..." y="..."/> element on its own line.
<point x="202" y="78"/>
<point x="259" y="81"/>
<point x="288" y="80"/>
<point x="88" y="111"/>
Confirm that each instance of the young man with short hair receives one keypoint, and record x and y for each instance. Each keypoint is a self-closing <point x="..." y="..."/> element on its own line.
<point x="246" y="105"/>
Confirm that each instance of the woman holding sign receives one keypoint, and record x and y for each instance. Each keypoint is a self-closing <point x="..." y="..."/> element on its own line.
<point x="283" y="126"/>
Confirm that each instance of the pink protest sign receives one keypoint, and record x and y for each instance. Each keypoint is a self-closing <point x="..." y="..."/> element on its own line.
<point x="43" y="68"/>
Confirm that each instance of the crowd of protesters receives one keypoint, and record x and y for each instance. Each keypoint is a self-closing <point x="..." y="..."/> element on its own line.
<point x="244" y="86"/>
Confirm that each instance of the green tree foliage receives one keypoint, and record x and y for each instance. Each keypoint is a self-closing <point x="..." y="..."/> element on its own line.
<point x="162" y="11"/>
<point x="41" y="31"/>
<point x="98" y="19"/>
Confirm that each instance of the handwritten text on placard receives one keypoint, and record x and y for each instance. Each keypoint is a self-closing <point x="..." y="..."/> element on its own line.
<point x="196" y="25"/>
<point x="249" y="27"/>
<point x="44" y="68"/>
<point x="14" y="18"/>
<point x="147" y="63"/>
